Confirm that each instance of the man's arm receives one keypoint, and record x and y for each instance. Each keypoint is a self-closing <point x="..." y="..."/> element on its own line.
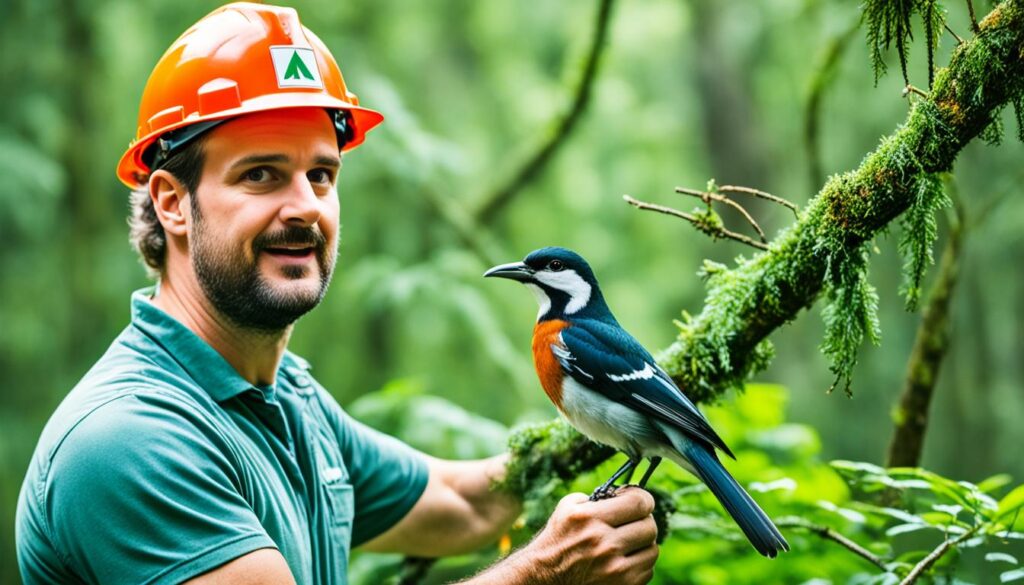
<point x="262" y="567"/>
<point x="457" y="513"/>
<point x="590" y="543"/>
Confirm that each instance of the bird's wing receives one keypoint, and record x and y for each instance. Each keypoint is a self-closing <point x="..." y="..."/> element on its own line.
<point x="608" y="360"/>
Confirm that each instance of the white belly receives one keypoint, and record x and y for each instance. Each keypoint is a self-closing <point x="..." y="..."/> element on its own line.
<point x="605" y="421"/>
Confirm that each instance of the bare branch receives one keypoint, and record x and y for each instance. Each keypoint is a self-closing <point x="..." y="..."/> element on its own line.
<point x="911" y="89"/>
<point x="821" y="79"/>
<point x="830" y="534"/>
<point x="959" y="41"/>
<point x="762" y="195"/>
<point x="711" y="230"/>
<point x="495" y="201"/>
<point x="974" y="19"/>
<point x="707" y="197"/>
<point x="935" y="555"/>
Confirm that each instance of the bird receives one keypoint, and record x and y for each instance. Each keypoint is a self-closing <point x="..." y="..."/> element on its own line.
<point x="607" y="386"/>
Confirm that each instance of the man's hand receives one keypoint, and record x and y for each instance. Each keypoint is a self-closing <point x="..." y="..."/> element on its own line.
<point x="608" y="542"/>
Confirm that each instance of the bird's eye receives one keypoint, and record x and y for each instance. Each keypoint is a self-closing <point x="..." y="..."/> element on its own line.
<point x="555" y="265"/>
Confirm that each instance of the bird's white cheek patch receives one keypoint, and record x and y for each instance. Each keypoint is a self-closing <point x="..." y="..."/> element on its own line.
<point x="542" y="298"/>
<point x="573" y="285"/>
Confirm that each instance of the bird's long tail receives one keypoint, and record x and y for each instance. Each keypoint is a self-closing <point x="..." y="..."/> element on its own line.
<point x="759" y="529"/>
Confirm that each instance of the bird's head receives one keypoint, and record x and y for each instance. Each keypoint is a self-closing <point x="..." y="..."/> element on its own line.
<point x="561" y="280"/>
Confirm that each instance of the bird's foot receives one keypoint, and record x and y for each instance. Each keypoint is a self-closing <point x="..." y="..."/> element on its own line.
<point x="603" y="493"/>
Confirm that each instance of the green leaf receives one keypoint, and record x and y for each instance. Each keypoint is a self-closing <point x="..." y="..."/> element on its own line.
<point x="1009" y="576"/>
<point x="995" y="482"/>
<point x="905" y="528"/>
<point x="1012" y="502"/>
<point x="1001" y="557"/>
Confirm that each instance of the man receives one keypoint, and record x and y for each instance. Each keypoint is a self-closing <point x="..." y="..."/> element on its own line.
<point x="198" y="449"/>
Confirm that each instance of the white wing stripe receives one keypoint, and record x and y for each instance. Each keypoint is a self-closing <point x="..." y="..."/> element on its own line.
<point x="645" y="374"/>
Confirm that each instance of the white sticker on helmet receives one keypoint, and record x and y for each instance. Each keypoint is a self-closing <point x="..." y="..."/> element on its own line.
<point x="296" y="67"/>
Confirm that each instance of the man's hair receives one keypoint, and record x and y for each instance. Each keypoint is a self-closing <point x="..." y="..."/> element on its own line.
<point x="145" y="232"/>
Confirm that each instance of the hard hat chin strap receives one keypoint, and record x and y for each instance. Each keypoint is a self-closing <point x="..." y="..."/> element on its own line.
<point x="169" y="144"/>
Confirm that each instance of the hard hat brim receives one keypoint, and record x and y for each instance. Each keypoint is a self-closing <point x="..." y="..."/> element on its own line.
<point x="134" y="173"/>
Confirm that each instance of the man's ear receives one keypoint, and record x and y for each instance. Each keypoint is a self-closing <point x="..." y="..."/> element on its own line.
<point x="169" y="201"/>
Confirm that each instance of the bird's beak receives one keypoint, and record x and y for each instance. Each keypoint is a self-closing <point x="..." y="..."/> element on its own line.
<point x="513" y="270"/>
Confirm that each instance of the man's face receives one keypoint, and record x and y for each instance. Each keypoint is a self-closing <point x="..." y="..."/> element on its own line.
<point x="265" y="216"/>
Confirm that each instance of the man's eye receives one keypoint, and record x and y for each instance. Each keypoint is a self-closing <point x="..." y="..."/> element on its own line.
<point x="320" y="176"/>
<point x="257" y="175"/>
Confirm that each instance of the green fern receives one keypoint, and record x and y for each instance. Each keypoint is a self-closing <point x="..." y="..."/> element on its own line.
<point x="889" y="24"/>
<point x="920" y="231"/>
<point x="850" y="315"/>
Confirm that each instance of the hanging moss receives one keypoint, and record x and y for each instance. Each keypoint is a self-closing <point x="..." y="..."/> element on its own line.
<point x="889" y="25"/>
<point x="920" y="231"/>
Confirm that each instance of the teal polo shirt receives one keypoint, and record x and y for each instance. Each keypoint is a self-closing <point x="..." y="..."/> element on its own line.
<point x="163" y="463"/>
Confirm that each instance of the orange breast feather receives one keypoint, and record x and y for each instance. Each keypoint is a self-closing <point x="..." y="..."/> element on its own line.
<point x="545" y="334"/>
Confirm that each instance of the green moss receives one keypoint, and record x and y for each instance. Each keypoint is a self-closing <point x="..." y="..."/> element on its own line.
<point x="920" y="231"/>
<point x="545" y="458"/>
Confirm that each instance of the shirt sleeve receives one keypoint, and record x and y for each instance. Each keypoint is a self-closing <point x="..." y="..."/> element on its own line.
<point x="143" y="491"/>
<point x="388" y="476"/>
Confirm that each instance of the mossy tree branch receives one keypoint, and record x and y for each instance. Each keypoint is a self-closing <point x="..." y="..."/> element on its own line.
<point x="825" y="251"/>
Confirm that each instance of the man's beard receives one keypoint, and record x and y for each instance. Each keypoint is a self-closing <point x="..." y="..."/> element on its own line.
<point x="238" y="291"/>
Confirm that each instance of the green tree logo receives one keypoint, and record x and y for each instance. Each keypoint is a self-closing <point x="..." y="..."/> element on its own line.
<point x="296" y="67"/>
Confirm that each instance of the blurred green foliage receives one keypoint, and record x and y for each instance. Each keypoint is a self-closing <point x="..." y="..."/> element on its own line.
<point x="898" y="515"/>
<point x="687" y="91"/>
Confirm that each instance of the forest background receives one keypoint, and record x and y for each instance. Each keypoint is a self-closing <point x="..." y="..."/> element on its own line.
<point x="773" y="95"/>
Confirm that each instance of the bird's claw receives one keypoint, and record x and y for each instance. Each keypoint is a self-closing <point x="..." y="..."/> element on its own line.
<point x="603" y="493"/>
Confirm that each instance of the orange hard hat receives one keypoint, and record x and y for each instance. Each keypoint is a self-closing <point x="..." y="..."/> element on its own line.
<point x="239" y="59"/>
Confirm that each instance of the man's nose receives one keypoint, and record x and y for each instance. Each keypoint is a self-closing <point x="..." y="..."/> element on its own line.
<point x="302" y="206"/>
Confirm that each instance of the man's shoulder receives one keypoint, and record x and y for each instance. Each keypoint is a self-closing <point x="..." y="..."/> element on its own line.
<point x="126" y="393"/>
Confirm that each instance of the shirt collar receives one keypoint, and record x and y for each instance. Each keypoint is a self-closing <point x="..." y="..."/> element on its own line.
<point x="202" y="363"/>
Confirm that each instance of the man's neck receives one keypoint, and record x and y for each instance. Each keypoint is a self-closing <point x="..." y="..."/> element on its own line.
<point x="255" y="355"/>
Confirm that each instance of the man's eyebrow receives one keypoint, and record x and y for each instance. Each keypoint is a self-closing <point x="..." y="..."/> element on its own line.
<point x="255" y="159"/>
<point x="327" y="161"/>
<point x="322" y="160"/>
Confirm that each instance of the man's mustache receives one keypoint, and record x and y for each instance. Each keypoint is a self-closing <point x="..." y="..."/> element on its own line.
<point x="291" y="236"/>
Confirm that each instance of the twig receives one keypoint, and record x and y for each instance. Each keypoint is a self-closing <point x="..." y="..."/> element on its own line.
<point x="911" y="89"/>
<point x="830" y="534"/>
<point x="762" y="195"/>
<point x="974" y="19"/>
<point x="707" y="197"/>
<point x="821" y="79"/>
<point x="935" y="555"/>
<point x="713" y="231"/>
<point x="959" y="41"/>
<point x="502" y="195"/>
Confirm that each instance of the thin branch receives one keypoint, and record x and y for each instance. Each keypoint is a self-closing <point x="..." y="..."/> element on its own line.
<point x="911" y="89"/>
<point x="830" y="534"/>
<point x="495" y="201"/>
<point x="713" y="231"/>
<point x="477" y="238"/>
<point x="821" y="79"/>
<point x="935" y="555"/>
<point x="974" y="19"/>
<point x="762" y="195"/>
<point x="959" y="41"/>
<point x="707" y="197"/>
